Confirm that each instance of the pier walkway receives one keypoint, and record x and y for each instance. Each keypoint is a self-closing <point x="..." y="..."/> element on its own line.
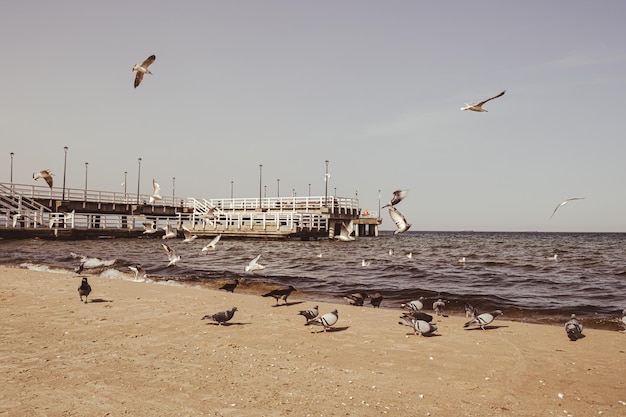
<point x="40" y="211"/>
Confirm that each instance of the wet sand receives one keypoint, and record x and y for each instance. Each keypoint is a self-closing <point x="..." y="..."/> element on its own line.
<point x="141" y="349"/>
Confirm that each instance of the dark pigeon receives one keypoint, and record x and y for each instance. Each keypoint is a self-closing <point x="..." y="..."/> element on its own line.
<point x="280" y="293"/>
<point x="230" y="286"/>
<point x="574" y="329"/>
<point x="84" y="290"/>
<point x="309" y="314"/>
<point x="356" y="298"/>
<point x="376" y="300"/>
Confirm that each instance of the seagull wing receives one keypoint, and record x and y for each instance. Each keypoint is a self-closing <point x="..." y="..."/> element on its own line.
<point x="484" y="101"/>
<point x="171" y="253"/>
<point x="138" y="78"/>
<point x="148" y="61"/>
<point x="399" y="220"/>
<point x="156" y="190"/>
<point x="565" y="202"/>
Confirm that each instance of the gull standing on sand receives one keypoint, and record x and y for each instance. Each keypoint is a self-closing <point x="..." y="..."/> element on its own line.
<point x="156" y="192"/>
<point x="171" y="255"/>
<point x="254" y="265"/>
<point x="565" y="202"/>
<point x="221" y="316"/>
<point x="140" y="273"/>
<point x="479" y="106"/>
<point x="399" y="220"/>
<point x="46" y="174"/>
<point x="142" y="69"/>
<point x="397" y="196"/>
<point x="574" y="329"/>
<point x="483" y="319"/>
<point x="211" y="245"/>
<point x="327" y="320"/>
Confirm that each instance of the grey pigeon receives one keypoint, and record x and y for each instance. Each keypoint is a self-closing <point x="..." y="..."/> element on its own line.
<point x="398" y="196"/>
<point x="420" y="327"/>
<point x="222" y="316"/>
<point x="439" y="306"/>
<point x="309" y="314"/>
<point x="84" y="290"/>
<point x="280" y="293"/>
<point x="624" y="320"/>
<point x="327" y="320"/>
<point x="416" y="315"/>
<point x="230" y="286"/>
<point x="483" y="319"/>
<point x="376" y="299"/>
<point x="414" y="305"/>
<point x="574" y="329"/>
<point x="470" y="311"/>
<point x="356" y="298"/>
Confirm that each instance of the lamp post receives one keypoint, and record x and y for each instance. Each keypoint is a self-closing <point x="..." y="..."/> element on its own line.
<point x="12" y="154"/>
<point x="379" y="215"/>
<point x="173" y="191"/>
<point x="260" y="183"/>
<point x="309" y="189"/>
<point x="231" y="189"/>
<point x="278" y="187"/>
<point x="65" y="148"/>
<point x="86" y="165"/>
<point x="125" y="181"/>
<point x="265" y="191"/>
<point x="326" y="176"/>
<point x="138" y="178"/>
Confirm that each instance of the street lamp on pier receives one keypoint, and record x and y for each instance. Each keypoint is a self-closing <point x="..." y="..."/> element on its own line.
<point x="138" y="178"/>
<point x="173" y="191"/>
<point x="260" y="183"/>
<point x="125" y="182"/>
<point x="326" y="178"/>
<point x="86" y="165"/>
<point x="278" y="187"/>
<point x="65" y="148"/>
<point x="12" y="154"/>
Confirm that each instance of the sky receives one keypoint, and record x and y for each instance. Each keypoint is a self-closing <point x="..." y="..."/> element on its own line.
<point x="374" y="87"/>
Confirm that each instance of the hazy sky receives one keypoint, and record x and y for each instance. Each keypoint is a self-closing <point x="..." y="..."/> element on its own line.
<point x="375" y="87"/>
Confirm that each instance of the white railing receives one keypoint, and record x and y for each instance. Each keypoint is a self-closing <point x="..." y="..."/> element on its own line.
<point x="282" y="204"/>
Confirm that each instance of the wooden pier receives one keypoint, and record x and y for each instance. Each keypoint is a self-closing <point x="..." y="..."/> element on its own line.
<point x="37" y="211"/>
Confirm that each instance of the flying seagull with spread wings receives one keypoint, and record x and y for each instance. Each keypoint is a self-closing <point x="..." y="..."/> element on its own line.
<point x="479" y="106"/>
<point x="565" y="202"/>
<point x="46" y="174"/>
<point x="142" y="69"/>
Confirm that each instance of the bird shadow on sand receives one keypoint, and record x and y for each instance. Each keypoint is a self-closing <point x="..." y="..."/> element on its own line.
<point x="235" y="323"/>
<point x="100" y="300"/>
<point x="333" y="329"/>
<point x="292" y="303"/>
<point x="425" y="335"/>
<point x="486" y="328"/>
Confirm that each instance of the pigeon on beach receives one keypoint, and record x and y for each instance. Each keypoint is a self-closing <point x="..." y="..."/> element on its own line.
<point x="142" y="69"/>
<point x="222" y="316"/>
<point x="140" y="273"/>
<point x="230" y="286"/>
<point x="470" y="311"/>
<point x="415" y="305"/>
<point x="624" y="320"/>
<point x="356" y="298"/>
<point x="574" y="329"/>
<point x="565" y="202"/>
<point x="254" y="265"/>
<point x="327" y="320"/>
<point x="171" y="255"/>
<point x="212" y="244"/>
<point x="310" y="313"/>
<point x="420" y="327"/>
<point x="398" y="196"/>
<point x="483" y="319"/>
<point x="416" y="315"/>
<point x="398" y="218"/>
<point x="479" y="106"/>
<point x="46" y="174"/>
<point x="280" y="293"/>
<point x="84" y="290"/>
<point x="376" y="300"/>
<point x="439" y="306"/>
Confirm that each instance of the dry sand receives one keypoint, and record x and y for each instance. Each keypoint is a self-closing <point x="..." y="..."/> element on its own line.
<point x="142" y="349"/>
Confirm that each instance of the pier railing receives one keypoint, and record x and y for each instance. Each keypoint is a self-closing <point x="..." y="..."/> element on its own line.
<point x="315" y="204"/>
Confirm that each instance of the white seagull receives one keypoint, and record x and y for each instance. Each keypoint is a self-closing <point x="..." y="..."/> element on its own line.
<point x="188" y="236"/>
<point x="346" y="231"/>
<point x="171" y="255"/>
<point x="142" y="69"/>
<point x="399" y="220"/>
<point x="211" y="245"/>
<point x="398" y="196"/>
<point x="565" y="202"/>
<point x="150" y="228"/>
<point x="46" y="174"/>
<point x="170" y="232"/>
<point x="254" y="265"/>
<point x="140" y="273"/>
<point x="479" y="106"/>
<point x="156" y="190"/>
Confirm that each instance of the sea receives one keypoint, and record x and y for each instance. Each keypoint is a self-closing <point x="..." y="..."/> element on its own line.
<point x="531" y="277"/>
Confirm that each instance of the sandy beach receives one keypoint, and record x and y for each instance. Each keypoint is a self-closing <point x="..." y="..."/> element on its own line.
<point x="141" y="349"/>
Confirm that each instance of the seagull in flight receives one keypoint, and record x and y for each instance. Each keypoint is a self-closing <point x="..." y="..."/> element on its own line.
<point x="171" y="255"/>
<point x="565" y="202"/>
<point x="46" y="174"/>
<point x="142" y="69"/>
<point x="398" y="196"/>
<point x="140" y="273"/>
<point x="189" y="237"/>
<point x="211" y="245"/>
<point x="254" y="265"/>
<point x="479" y="106"/>
<point x="346" y="231"/>
<point x="156" y="192"/>
<point x="399" y="220"/>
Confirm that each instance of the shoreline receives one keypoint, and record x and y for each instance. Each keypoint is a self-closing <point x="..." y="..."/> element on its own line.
<point x="142" y="349"/>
